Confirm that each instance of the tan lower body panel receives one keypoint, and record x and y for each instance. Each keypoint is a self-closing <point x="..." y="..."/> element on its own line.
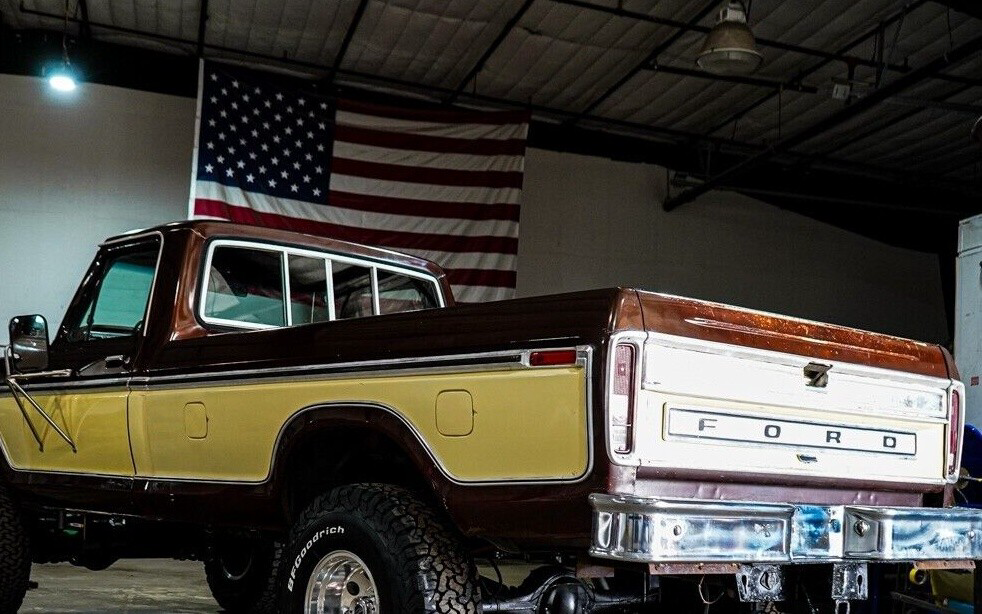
<point x="95" y="420"/>
<point x="529" y="424"/>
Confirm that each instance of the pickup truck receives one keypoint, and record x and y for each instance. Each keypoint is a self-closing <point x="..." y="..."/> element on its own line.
<point x="327" y="431"/>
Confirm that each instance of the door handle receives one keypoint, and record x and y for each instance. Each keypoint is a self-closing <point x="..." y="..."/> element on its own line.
<point x="114" y="362"/>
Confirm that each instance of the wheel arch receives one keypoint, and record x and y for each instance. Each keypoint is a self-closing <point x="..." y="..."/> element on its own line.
<point x="331" y="444"/>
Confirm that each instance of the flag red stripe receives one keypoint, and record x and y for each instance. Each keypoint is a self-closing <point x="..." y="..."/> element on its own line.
<point x="383" y="238"/>
<point x="482" y="277"/>
<point x="424" y="208"/>
<point x="420" y="174"/>
<point x="438" y="116"/>
<point x="438" y="144"/>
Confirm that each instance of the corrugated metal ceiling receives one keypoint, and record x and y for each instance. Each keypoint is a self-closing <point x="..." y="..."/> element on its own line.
<point x="569" y="56"/>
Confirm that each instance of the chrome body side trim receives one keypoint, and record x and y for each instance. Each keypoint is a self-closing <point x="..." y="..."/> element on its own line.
<point x="464" y="363"/>
<point x="649" y="530"/>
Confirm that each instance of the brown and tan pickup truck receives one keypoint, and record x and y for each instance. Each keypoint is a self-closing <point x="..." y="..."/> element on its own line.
<point x="323" y="427"/>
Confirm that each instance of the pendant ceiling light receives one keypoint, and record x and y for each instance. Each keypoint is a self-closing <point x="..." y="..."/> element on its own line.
<point x="63" y="77"/>
<point x="729" y="48"/>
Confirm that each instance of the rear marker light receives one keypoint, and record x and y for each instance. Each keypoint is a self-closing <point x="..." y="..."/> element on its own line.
<point x="622" y="400"/>
<point x="552" y="358"/>
<point x="954" y="432"/>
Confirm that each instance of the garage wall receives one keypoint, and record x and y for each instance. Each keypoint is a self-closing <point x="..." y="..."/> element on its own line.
<point x="591" y="222"/>
<point x="75" y="171"/>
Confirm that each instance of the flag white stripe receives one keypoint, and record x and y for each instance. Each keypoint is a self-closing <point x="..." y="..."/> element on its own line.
<point x="428" y="159"/>
<point x="355" y="218"/>
<point x="424" y="191"/>
<point x="481" y="294"/>
<point x="498" y="132"/>
<point x="467" y="260"/>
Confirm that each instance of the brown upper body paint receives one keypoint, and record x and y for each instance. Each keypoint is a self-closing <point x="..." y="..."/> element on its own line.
<point x="176" y="342"/>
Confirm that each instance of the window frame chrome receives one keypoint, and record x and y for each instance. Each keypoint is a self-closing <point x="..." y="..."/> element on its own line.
<point x="285" y="252"/>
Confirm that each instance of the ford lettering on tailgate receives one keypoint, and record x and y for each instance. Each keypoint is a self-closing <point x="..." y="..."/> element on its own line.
<point x="701" y="424"/>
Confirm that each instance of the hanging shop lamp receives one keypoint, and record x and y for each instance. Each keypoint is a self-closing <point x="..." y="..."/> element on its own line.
<point x="729" y="48"/>
<point x="62" y="79"/>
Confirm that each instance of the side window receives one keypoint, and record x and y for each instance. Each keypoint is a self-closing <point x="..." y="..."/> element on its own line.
<point x="352" y="290"/>
<point x="309" y="299"/>
<point x="118" y="306"/>
<point x="245" y="285"/>
<point x="397" y="293"/>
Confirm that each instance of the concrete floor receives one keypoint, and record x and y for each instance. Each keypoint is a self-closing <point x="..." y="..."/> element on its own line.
<point x="146" y="586"/>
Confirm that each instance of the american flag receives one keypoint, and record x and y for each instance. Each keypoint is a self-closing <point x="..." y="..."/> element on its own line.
<point x="443" y="185"/>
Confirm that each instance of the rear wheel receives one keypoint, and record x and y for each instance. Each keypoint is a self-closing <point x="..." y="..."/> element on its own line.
<point x="15" y="558"/>
<point x="374" y="548"/>
<point x="242" y="573"/>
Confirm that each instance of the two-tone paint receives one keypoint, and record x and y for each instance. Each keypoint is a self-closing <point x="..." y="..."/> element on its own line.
<point x="199" y="423"/>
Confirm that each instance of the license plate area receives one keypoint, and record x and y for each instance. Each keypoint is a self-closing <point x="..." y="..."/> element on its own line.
<point x="713" y="426"/>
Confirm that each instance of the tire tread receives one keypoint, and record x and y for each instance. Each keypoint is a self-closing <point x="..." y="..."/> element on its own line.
<point x="430" y="561"/>
<point x="15" y="558"/>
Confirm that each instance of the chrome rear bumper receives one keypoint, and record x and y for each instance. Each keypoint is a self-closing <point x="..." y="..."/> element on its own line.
<point x="639" y="529"/>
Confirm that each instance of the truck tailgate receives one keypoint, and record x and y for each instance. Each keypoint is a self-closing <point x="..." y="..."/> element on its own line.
<point x="723" y="390"/>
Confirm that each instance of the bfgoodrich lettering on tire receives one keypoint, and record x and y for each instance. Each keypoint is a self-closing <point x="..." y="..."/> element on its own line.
<point x="15" y="558"/>
<point x="376" y="549"/>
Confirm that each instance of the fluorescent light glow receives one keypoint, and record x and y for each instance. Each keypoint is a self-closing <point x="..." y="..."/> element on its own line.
<point x="62" y="82"/>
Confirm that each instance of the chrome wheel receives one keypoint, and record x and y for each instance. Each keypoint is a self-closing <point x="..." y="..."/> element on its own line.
<point x="341" y="584"/>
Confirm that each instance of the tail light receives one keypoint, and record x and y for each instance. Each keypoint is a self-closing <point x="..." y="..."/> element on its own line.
<point x="955" y="427"/>
<point x="621" y="405"/>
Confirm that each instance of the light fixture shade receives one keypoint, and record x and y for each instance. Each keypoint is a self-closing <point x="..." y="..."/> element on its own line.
<point x="730" y="48"/>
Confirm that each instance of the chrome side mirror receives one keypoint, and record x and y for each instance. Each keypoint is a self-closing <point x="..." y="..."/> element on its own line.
<point x="29" y="343"/>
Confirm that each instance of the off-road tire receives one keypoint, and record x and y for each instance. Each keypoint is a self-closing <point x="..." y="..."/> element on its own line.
<point x="417" y="562"/>
<point x="15" y="557"/>
<point x="249" y="588"/>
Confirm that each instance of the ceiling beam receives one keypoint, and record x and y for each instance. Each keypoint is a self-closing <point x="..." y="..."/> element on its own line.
<point x="890" y="122"/>
<point x="349" y="34"/>
<point x="479" y="65"/>
<point x="889" y="21"/>
<point x="685" y="181"/>
<point x="85" y="29"/>
<point x="862" y="105"/>
<point x="921" y="103"/>
<point x="763" y="42"/>
<point x="737" y="150"/>
<point x="202" y="28"/>
<point x="755" y="81"/>
<point x="971" y="8"/>
<point x="645" y="63"/>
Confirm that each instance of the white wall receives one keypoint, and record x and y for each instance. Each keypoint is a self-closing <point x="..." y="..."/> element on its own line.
<point x="75" y="171"/>
<point x="590" y="222"/>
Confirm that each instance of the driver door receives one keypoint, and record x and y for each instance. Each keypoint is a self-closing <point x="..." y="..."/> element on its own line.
<point x="97" y="343"/>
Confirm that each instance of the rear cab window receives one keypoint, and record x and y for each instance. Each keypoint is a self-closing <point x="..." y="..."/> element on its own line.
<point x="253" y="285"/>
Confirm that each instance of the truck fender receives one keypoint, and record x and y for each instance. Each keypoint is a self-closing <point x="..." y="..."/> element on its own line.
<point x="320" y="419"/>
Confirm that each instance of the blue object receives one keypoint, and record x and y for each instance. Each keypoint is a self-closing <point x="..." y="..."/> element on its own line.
<point x="972" y="462"/>
<point x="960" y="606"/>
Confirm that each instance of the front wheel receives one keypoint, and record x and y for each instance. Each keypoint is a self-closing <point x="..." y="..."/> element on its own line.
<point x="15" y="558"/>
<point x="374" y="548"/>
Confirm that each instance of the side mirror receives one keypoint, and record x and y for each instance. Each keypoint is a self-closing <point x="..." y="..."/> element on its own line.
<point x="29" y="343"/>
